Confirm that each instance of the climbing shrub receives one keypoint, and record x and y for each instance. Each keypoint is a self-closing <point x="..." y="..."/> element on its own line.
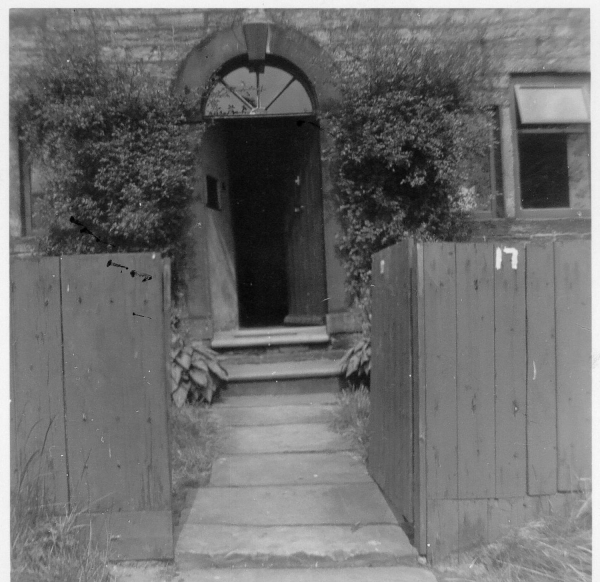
<point x="114" y="146"/>
<point x="411" y="134"/>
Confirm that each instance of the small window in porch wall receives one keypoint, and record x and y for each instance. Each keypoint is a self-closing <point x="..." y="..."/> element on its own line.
<point x="212" y="193"/>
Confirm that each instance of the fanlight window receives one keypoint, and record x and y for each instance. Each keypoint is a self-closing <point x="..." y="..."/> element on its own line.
<point x="271" y="91"/>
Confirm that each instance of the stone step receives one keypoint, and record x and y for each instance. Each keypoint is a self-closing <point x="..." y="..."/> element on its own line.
<point x="223" y="546"/>
<point x="282" y="354"/>
<point x="273" y="415"/>
<point x="160" y="573"/>
<point x="274" y="336"/>
<point x="332" y="384"/>
<point x="288" y="377"/>
<point x="289" y="469"/>
<point x="227" y="400"/>
<point x="293" y="438"/>
<point x="346" y="504"/>
<point x="324" y="368"/>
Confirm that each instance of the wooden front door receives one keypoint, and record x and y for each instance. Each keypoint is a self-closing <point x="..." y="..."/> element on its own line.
<point x="304" y="230"/>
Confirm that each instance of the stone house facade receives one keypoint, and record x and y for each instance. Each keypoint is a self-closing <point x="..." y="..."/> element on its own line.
<point x="264" y="209"/>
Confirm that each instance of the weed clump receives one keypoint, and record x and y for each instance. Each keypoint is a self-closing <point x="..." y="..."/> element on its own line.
<point x="351" y="418"/>
<point x="552" y="548"/>
<point x="51" y="546"/>
<point x="194" y="446"/>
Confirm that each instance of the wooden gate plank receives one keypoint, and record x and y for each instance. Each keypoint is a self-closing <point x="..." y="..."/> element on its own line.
<point x="541" y="371"/>
<point x="573" y="361"/>
<point x="402" y="386"/>
<point x="475" y="370"/>
<point x="442" y="529"/>
<point x="511" y="371"/>
<point x="391" y="447"/>
<point x="36" y="374"/>
<point x="440" y="369"/>
<point x="472" y="524"/>
<point x="115" y="388"/>
<point x="379" y="324"/>
<point x="419" y="399"/>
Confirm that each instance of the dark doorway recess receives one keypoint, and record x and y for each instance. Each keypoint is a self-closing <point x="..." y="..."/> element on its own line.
<point x="277" y="220"/>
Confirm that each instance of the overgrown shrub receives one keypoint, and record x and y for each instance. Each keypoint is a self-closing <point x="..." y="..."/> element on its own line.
<point x="411" y="134"/>
<point x="114" y="148"/>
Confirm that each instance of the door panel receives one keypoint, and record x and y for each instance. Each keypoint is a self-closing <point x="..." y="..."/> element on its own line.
<point x="305" y="252"/>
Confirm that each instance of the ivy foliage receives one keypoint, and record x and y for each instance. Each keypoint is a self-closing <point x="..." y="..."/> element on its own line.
<point x="114" y="148"/>
<point x="410" y="135"/>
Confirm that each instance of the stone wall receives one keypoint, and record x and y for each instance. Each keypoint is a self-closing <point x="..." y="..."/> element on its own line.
<point x="511" y="40"/>
<point x="508" y="40"/>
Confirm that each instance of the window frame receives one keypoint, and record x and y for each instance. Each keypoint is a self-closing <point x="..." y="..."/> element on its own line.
<point x="545" y="80"/>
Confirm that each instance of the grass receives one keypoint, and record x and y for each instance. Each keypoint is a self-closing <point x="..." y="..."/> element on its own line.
<point x="194" y="447"/>
<point x="48" y="545"/>
<point x="554" y="548"/>
<point x="350" y="418"/>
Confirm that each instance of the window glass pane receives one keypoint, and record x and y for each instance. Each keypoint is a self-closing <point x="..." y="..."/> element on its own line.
<point x="212" y="193"/>
<point x="544" y="170"/>
<point x="578" y="160"/>
<point x="552" y="104"/>
<point x="271" y="83"/>
<point x="293" y="100"/>
<point x="275" y="94"/>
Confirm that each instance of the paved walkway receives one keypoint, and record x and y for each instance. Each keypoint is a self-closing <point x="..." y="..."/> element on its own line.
<point x="288" y="501"/>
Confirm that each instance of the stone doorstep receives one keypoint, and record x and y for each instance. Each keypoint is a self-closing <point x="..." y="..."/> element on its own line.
<point x="230" y="545"/>
<point x="278" y="336"/>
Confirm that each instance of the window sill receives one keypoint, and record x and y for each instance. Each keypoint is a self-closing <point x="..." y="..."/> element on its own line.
<point x="551" y="213"/>
<point x="528" y="229"/>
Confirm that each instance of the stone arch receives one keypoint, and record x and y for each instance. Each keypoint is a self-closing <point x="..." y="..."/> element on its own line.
<point x="317" y="68"/>
<point x="223" y="46"/>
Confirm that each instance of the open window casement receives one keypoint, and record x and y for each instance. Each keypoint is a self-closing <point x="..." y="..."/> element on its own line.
<point x="552" y="105"/>
<point x="552" y="124"/>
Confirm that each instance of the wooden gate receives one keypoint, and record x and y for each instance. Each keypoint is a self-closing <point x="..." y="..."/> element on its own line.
<point x="88" y="355"/>
<point x="481" y="385"/>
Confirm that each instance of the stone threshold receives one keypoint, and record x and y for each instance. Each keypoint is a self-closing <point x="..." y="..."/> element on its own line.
<point x="271" y="336"/>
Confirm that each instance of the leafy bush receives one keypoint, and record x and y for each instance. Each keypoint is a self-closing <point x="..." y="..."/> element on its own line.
<point x="356" y="364"/>
<point x="196" y="374"/>
<point x="411" y="134"/>
<point x="116" y="152"/>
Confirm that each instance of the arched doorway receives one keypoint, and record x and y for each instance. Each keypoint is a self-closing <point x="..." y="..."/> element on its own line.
<point x="265" y="111"/>
<point x="268" y="249"/>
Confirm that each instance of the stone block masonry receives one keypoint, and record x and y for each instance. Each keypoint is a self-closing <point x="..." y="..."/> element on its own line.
<point x="533" y="40"/>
